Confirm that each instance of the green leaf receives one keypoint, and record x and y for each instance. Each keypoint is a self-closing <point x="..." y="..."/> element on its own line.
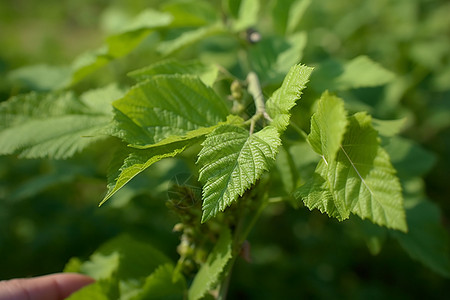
<point x="409" y="158"/>
<point x="357" y="73"/>
<point x="209" y="273"/>
<point x="272" y="57"/>
<point x="189" y="38"/>
<point x="137" y="161"/>
<point x="125" y="256"/>
<point x="296" y="12"/>
<point x="388" y="128"/>
<point x="231" y="161"/>
<point x="52" y="125"/>
<point x="279" y="105"/>
<point x="248" y="15"/>
<point x="41" y="77"/>
<point x="427" y="240"/>
<point x="328" y="127"/>
<point x="165" y="106"/>
<point x="164" y="283"/>
<point x="105" y="289"/>
<point x="191" y="13"/>
<point x="361" y="180"/>
<point x="206" y="72"/>
<point x="119" y="44"/>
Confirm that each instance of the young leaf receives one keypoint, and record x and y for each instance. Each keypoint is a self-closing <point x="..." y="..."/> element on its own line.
<point x="41" y="77"/>
<point x="206" y="72"/>
<point x="279" y="105"/>
<point x="52" y="125"/>
<point x="165" y="106"/>
<point x="137" y="161"/>
<point x="210" y="272"/>
<point x="231" y="161"/>
<point x="361" y="180"/>
<point x="328" y="127"/>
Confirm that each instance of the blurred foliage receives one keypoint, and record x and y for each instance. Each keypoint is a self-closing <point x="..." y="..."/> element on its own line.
<point x="48" y="209"/>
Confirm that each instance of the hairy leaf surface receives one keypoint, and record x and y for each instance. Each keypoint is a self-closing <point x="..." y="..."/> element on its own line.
<point x="167" y="106"/>
<point x="231" y="161"/>
<point x="361" y="180"/>
<point x="283" y="100"/>
<point x="54" y="125"/>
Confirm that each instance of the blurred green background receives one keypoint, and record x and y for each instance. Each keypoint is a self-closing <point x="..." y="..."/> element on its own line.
<point x="48" y="209"/>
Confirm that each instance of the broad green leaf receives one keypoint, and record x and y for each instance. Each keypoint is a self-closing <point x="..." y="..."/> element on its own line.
<point x="248" y="15"/>
<point x="210" y="272"/>
<point x="164" y="283"/>
<point x="358" y="73"/>
<point x="206" y="72"/>
<point x="166" y="106"/>
<point x="189" y="38"/>
<point x="272" y="57"/>
<point x="328" y="127"/>
<point x="427" y="239"/>
<point x="361" y="180"/>
<point x="231" y="161"/>
<point x="52" y="125"/>
<point x="279" y="105"/>
<point x="137" y="161"/>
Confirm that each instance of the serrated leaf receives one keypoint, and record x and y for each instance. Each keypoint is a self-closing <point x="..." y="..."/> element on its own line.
<point x="165" y="106"/>
<point x="248" y="15"/>
<point x="284" y="99"/>
<point x="137" y="161"/>
<point x="51" y="125"/>
<point x="427" y="240"/>
<point x="210" y="271"/>
<point x="164" y="283"/>
<point x="189" y="38"/>
<point x="361" y="180"/>
<point x="328" y="127"/>
<point x="206" y="72"/>
<point x="231" y="161"/>
<point x="358" y="73"/>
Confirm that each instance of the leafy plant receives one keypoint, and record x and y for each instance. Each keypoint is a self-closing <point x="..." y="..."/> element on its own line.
<point x="230" y="97"/>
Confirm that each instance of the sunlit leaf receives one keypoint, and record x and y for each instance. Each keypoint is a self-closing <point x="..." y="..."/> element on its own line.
<point x="231" y="161"/>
